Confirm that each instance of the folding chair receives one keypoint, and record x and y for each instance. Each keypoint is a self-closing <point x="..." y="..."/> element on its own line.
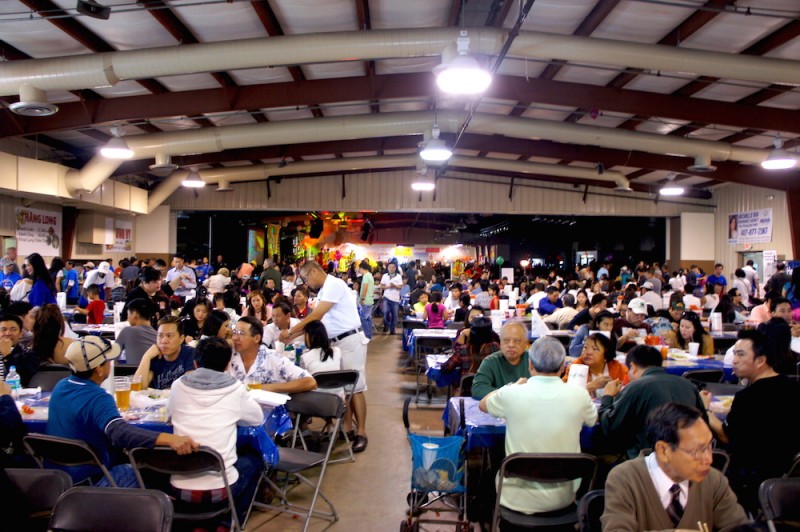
<point x="428" y="346"/>
<point x="48" y="376"/>
<point x="40" y="488"/>
<point x="720" y="460"/>
<point x="64" y="452"/>
<point x="466" y="385"/>
<point x="167" y="462"/>
<point x="778" y="499"/>
<point x="590" y="508"/>
<point x="545" y="468"/>
<point x="92" y="509"/>
<point x="294" y="461"/>
<point x="331" y="380"/>
<point x="794" y="469"/>
<point x="704" y="375"/>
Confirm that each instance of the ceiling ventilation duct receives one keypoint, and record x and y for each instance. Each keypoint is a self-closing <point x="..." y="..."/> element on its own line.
<point x="163" y="166"/>
<point x="33" y="102"/>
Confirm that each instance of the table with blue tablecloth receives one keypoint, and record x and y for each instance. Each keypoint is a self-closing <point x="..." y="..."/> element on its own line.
<point x="679" y="367"/>
<point x="277" y="421"/>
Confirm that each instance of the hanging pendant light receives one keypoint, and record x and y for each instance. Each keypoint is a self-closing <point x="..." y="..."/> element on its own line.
<point x="778" y="158"/>
<point x="670" y="188"/>
<point x="462" y="74"/>
<point x="435" y="149"/>
<point x="193" y="179"/>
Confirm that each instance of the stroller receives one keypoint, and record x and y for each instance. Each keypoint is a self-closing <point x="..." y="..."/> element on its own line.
<point x="438" y="479"/>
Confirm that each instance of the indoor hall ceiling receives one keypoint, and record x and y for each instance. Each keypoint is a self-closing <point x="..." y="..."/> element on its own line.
<point x="746" y="110"/>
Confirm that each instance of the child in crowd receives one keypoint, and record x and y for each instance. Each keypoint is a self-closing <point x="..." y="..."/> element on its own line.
<point x="95" y="309"/>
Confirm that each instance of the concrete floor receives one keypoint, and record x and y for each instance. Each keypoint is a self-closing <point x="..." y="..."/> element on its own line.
<point x="370" y="493"/>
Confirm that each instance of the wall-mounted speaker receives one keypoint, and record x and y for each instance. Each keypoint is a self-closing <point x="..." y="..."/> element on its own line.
<point x="91" y="8"/>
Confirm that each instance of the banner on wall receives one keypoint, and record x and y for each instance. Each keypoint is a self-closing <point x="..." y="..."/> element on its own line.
<point x="750" y="227"/>
<point x="255" y="245"/>
<point x="119" y="236"/>
<point x="38" y="231"/>
<point x="273" y="240"/>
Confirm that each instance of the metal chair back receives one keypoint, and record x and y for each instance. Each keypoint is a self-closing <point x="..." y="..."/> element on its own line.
<point x="64" y="452"/>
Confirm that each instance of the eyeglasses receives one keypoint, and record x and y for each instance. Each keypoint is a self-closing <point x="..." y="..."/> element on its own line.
<point x="698" y="453"/>
<point x="237" y="332"/>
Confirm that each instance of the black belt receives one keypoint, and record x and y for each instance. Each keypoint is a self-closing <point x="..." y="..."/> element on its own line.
<point x="346" y="334"/>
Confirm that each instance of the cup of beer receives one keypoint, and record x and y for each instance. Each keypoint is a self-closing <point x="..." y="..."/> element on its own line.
<point x="136" y="383"/>
<point x="122" y="392"/>
<point x="253" y="383"/>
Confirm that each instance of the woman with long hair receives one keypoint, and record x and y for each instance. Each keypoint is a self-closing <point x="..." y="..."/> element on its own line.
<point x="49" y="344"/>
<point x="581" y="300"/>
<point x="257" y="306"/>
<point x="43" y="288"/>
<point x="603" y="321"/>
<point x="219" y="325"/>
<point x="691" y="330"/>
<point x="56" y="270"/>
<point x="599" y="353"/>
<point x="435" y="312"/>
<point x="195" y="324"/>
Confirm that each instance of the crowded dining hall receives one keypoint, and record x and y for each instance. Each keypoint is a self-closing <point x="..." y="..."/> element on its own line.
<point x="526" y="264"/>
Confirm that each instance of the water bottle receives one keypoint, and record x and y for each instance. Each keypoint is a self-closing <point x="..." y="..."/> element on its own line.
<point x="12" y="379"/>
<point x="298" y="355"/>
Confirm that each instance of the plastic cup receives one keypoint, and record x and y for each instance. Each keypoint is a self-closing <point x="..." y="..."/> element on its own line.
<point x="136" y="383"/>
<point x="664" y="352"/>
<point x="122" y="392"/>
<point x="694" y="347"/>
<point x="429" y="451"/>
<point x="253" y="383"/>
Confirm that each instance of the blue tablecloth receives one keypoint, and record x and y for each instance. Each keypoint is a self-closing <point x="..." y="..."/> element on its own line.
<point x="485" y="430"/>
<point x="679" y="367"/>
<point x="277" y="421"/>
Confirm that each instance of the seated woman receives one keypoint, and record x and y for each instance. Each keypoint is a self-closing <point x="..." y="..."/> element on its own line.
<point x="49" y="344"/>
<point x="321" y="355"/>
<point x="603" y="321"/>
<point x="257" y="306"/>
<point x="494" y="293"/>
<point x="219" y="325"/>
<point x="195" y="324"/>
<point x="435" y="312"/>
<point x="712" y="295"/>
<point x="691" y="330"/>
<point x="599" y="353"/>
<point x="581" y="300"/>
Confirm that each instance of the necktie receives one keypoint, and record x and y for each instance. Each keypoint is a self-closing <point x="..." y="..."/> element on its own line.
<point x="675" y="509"/>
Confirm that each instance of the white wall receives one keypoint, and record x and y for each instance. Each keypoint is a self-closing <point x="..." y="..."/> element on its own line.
<point x="154" y="232"/>
<point x="697" y="236"/>
<point x="738" y="198"/>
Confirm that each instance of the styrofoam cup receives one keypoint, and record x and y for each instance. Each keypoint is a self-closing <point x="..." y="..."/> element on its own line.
<point x="429" y="451"/>
<point x="694" y="347"/>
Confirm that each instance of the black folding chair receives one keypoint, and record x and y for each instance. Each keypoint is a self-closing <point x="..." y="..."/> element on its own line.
<point x="590" y="508"/>
<point x="40" y="489"/>
<point x="779" y="502"/>
<point x="794" y="469"/>
<point x="704" y="375"/>
<point x="332" y="380"/>
<point x="64" y="452"/>
<point x="720" y="460"/>
<point x="166" y="461"/>
<point x="92" y="509"/>
<point x="48" y="376"/>
<point x="293" y="462"/>
<point x="544" y="468"/>
<point x="466" y="385"/>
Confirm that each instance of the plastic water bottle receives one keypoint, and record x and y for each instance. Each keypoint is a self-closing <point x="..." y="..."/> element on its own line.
<point x="298" y="355"/>
<point x="12" y="379"/>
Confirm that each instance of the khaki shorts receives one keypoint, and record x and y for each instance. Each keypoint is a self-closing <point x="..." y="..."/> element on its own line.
<point x="354" y="356"/>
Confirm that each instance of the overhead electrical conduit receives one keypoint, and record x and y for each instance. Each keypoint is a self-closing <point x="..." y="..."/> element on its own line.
<point x="207" y="140"/>
<point x="106" y="69"/>
<point x="262" y="172"/>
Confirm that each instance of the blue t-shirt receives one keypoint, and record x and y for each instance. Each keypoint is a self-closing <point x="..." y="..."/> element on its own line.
<point x="203" y="272"/>
<point x="714" y="279"/>
<point x="81" y="410"/>
<point x="166" y="372"/>
<point x="40" y="295"/>
<point x="8" y="281"/>
<point x="72" y="291"/>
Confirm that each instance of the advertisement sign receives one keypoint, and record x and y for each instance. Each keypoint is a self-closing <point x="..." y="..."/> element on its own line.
<point x="750" y="227"/>
<point x="119" y="236"/>
<point x="38" y="231"/>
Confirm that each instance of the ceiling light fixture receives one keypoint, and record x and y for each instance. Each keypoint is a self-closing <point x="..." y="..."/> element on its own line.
<point x="435" y="149"/>
<point x="462" y="74"/>
<point x="193" y="179"/>
<point x="91" y="8"/>
<point x="778" y="158"/>
<point x="670" y="188"/>
<point x="422" y="182"/>
<point x="116" y="148"/>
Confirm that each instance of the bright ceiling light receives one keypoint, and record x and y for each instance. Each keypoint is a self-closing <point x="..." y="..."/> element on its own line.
<point x="463" y="74"/>
<point x="670" y="188"/>
<point x="116" y="148"/>
<point x="193" y="179"/>
<point x="779" y="159"/>
<point x="423" y="186"/>
<point x="422" y="183"/>
<point x="435" y="149"/>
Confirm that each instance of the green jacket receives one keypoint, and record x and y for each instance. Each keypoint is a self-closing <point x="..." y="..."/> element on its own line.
<point x="622" y="418"/>
<point x="495" y="372"/>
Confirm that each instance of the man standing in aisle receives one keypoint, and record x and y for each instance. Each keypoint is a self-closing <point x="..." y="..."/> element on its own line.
<point x="366" y="297"/>
<point x="751" y="275"/>
<point x="103" y="277"/>
<point x="336" y="308"/>
<point x="187" y="275"/>
<point x="391" y="282"/>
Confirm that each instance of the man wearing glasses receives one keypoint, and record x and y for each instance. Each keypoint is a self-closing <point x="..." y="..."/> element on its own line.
<point x="336" y="308"/>
<point x="81" y="409"/>
<point x="762" y="443"/>
<point x="675" y="487"/>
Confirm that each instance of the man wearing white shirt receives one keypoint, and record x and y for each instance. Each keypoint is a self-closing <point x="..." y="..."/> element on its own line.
<point x="336" y="308"/>
<point x="103" y="278"/>
<point x="650" y="296"/>
<point x="187" y="275"/>
<point x="391" y="282"/>
<point x="751" y="275"/>
<point x="453" y="298"/>
<point x="675" y="487"/>
<point x="282" y="320"/>
<point x="537" y="296"/>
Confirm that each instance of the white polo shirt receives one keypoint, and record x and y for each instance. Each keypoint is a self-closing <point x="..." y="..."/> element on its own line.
<point x="343" y="315"/>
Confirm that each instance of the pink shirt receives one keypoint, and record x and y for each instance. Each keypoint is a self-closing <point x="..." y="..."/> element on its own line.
<point x="435" y="320"/>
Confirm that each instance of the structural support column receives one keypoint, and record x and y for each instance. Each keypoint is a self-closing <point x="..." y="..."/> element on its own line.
<point x="793" y="205"/>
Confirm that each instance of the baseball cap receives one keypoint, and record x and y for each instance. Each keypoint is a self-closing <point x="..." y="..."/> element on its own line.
<point x="648" y="285"/>
<point x="89" y="264"/>
<point x="90" y="352"/>
<point x="5" y="261"/>
<point x="104" y="267"/>
<point x="638" y="306"/>
<point x="678" y="305"/>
